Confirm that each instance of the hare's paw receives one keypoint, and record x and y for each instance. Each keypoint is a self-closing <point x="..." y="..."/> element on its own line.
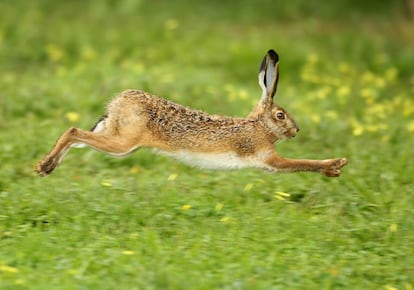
<point x="333" y="166"/>
<point x="45" y="166"/>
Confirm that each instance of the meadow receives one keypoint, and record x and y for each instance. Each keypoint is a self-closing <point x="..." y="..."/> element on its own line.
<point x="149" y="222"/>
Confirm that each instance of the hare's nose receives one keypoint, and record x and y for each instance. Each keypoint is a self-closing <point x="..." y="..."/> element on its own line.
<point x="297" y="129"/>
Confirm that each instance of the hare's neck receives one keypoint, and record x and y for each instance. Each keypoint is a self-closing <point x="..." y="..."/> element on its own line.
<point x="266" y="124"/>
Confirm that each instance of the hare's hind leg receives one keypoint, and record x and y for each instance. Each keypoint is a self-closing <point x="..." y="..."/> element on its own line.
<point x="98" y="127"/>
<point x="99" y="139"/>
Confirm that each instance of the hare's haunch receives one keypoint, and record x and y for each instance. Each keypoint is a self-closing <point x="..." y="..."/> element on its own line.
<point x="136" y="119"/>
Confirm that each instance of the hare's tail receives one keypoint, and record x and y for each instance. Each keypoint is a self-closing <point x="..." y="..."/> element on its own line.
<point x="99" y="126"/>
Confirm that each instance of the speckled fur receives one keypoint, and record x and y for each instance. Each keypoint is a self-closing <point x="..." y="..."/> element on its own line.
<point x="173" y="126"/>
<point x="136" y="119"/>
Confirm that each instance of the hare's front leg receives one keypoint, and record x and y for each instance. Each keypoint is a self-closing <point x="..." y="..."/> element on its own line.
<point x="333" y="167"/>
<point x="328" y="167"/>
<point x="101" y="141"/>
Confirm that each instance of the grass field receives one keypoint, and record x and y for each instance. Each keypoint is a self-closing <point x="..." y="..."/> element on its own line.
<point x="148" y="222"/>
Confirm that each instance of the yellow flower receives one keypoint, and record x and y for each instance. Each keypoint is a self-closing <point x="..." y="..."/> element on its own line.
<point x="376" y="127"/>
<point x="218" y="206"/>
<point x="284" y="194"/>
<point x="343" y="91"/>
<point x="323" y="92"/>
<point x="393" y="228"/>
<point x="378" y="110"/>
<point x="281" y="195"/>
<point x="128" y="253"/>
<point x="106" y="183"/>
<point x="243" y="94"/>
<point x="368" y="77"/>
<point x="172" y="177"/>
<point x="186" y="207"/>
<point x="358" y="131"/>
<point x="410" y="127"/>
<point x="316" y="119"/>
<point x="134" y="169"/>
<point x="305" y="76"/>
<point x="54" y="52"/>
<point x="72" y="272"/>
<point x="408" y="108"/>
<point x="367" y="93"/>
<point x="73" y="117"/>
<point x="248" y="187"/>
<point x="8" y="269"/>
<point x="225" y="219"/>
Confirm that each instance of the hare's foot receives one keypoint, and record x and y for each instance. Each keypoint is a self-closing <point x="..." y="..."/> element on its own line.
<point x="46" y="165"/>
<point x="333" y="166"/>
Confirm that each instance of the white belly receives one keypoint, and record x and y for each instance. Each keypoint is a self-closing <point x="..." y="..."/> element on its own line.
<point x="218" y="161"/>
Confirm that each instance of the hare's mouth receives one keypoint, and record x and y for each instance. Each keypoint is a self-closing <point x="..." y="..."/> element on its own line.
<point x="291" y="133"/>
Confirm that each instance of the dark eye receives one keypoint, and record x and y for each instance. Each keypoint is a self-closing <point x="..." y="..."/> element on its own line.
<point x="280" y="115"/>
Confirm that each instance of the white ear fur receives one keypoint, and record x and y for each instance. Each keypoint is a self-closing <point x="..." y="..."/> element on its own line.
<point x="268" y="78"/>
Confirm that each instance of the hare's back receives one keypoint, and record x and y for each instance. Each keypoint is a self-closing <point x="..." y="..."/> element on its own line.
<point x="179" y="129"/>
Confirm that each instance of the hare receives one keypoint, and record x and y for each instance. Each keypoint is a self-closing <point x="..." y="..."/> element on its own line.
<point x="136" y="119"/>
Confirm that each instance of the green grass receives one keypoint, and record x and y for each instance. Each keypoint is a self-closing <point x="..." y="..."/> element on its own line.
<point x="148" y="222"/>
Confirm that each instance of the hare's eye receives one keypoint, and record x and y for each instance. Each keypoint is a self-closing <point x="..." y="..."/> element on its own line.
<point x="280" y="115"/>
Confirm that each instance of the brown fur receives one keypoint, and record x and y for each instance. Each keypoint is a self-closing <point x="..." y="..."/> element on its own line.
<point x="138" y="119"/>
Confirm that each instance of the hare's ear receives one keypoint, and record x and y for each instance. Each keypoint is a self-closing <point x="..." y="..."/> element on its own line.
<point x="268" y="77"/>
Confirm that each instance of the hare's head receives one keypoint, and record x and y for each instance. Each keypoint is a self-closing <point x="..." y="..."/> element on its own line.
<point x="274" y="117"/>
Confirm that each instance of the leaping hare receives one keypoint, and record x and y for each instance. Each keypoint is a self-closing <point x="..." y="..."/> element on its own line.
<point x="136" y="119"/>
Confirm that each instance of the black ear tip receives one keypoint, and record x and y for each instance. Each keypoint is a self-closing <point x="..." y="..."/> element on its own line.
<point x="273" y="55"/>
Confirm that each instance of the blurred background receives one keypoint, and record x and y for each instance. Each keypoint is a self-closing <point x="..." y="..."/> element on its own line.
<point x="154" y="44"/>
